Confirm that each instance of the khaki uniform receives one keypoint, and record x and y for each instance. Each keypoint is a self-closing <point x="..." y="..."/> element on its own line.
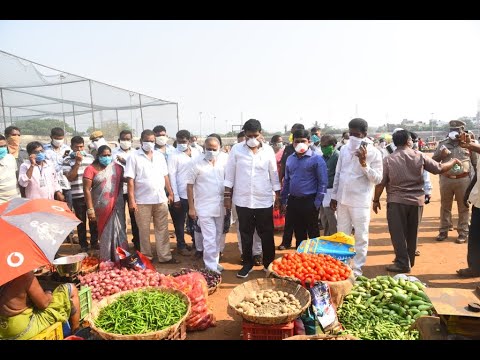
<point x="454" y="183"/>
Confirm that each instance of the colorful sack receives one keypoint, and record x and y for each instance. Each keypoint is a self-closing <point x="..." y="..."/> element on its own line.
<point x="339" y="246"/>
<point x="278" y="220"/>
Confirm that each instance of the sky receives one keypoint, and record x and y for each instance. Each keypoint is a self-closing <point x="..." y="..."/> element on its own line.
<point x="279" y="72"/>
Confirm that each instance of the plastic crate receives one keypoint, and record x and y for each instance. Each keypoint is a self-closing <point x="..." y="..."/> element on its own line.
<point x="85" y="295"/>
<point x="54" y="332"/>
<point x="252" y="331"/>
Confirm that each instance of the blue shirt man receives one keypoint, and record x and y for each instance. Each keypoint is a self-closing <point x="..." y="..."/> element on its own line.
<point x="304" y="187"/>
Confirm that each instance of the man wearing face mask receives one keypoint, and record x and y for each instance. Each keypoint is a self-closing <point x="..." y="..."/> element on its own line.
<point x="454" y="182"/>
<point x="12" y="133"/>
<point x="161" y="139"/>
<point x="205" y="199"/>
<point x="403" y="179"/>
<point x="38" y="176"/>
<point x="359" y="169"/>
<point x="97" y="140"/>
<point x="305" y="185"/>
<point x="147" y="177"/>
<point x="251" y="176"/>
<point x="179" y="163"/>
<point x="330" y="155"/>
<point x="316" y="134"/>
<point x="8" y="179"/>
<point x="56" y="151"/>
<point x="73" y="168"/>
<point x="194" y="144"/>
<point x="120" y="155"/>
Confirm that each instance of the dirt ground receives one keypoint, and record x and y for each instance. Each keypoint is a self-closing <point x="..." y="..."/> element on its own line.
<point x="436" y="265"/>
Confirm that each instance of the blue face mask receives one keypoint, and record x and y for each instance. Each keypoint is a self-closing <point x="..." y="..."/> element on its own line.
<point x="105" y="160"/>
<point x="3" y="152"/>
<point x="315" y="139"/>
<point x="74" y="153"/>
<point x="40" y="157"/>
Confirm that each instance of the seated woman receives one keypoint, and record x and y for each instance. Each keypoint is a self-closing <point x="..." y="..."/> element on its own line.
<point x="103" y="189"/>
<point x="26" y="310"/>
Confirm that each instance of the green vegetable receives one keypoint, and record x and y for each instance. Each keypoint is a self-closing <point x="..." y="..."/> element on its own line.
<point x="141" y="312"/>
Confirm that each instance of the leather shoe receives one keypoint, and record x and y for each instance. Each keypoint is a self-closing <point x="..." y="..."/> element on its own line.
<point x="462" y="239"/>
<point x="417" y="252"/>
<point x="283" y="247"/>
<point x="396" y="268"/>
<point x="468" y="273"/>
<point x="442" y="236"/>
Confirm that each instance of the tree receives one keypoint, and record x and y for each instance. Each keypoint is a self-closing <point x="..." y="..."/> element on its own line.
<point x="109" y="129"/>
<point x="41" y="127"/>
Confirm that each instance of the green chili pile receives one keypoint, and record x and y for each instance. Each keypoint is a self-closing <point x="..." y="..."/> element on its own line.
<point x="141" y="312"/>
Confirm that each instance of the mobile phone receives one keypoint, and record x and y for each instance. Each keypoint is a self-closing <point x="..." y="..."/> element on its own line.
<point x="364" y="144"/>
<point x="66" y="153"/>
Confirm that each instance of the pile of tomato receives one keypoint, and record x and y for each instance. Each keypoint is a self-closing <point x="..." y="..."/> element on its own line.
<point x="311" y="267"/>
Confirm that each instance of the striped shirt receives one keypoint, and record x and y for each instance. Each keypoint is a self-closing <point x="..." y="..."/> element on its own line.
<point x="77" y="184"/>
<point x="403" y="176"/>
<point x="8" y="179"/>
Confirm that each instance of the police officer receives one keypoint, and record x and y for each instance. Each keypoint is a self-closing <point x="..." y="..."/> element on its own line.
<point x="454" y="182"/>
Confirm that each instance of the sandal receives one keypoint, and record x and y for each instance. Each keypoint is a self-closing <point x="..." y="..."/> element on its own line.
<point x="468" y="273"/>
<point x="171" y="261"/>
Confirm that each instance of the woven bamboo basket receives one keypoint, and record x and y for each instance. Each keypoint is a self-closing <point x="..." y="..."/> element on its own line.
<point x="212" y="289"/>
<point x="154" y="335"/>
<point x="338" y="289"/>
<point x="322" y="337"/>
<point x="238" y="295"/>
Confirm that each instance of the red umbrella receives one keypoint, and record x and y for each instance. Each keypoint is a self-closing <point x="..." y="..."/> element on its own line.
<point x="31" y="233"/>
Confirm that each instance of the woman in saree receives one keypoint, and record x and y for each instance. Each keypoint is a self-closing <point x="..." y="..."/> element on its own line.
<point x="102" y="187"/>
<point x="26" y="309"/>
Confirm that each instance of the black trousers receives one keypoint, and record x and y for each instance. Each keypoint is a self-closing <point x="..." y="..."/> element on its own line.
<point x="304" y="217"/>
<point x="262" y="220"/>
<point x="135" y="233"/>
<point x="287" y="231"/>
<point x="473" y="253"/>
<point x="403" y="227"/>
<point x="80" y="207"/>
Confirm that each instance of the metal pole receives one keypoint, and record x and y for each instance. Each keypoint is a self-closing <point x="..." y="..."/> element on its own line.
<point x="91" y="103"/>
<point x="116" y="111"/>
<point x="74" y="120"/>
<point x="63" y="111"/>
<point x="10" y="110"/>
<point x="141" y="111"/>
<point x="178" y="119"/>
<point x="3" y="110"/>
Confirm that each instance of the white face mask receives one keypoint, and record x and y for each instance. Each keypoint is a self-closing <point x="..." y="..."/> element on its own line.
<point x="99" y="143"/>
<point x="453" y="135"/>
<point x="161" y="140"/>
<point x="279" y="145"/>
<point x="354" y="142"/>
<point x="57" y="143"/>
<point x="125" y="144"/>
<point x="148" y="146"/>
<point x="252" y="142"/>
<point x="301" y="148"/>
<point x="182" y="147"/>
<point x="211" y="154"/>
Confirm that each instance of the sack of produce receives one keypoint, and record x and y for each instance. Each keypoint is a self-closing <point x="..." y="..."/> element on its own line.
<point x="195" y="287"/>
<point x="278" y="220"/>
<point x="213" y="278"/>
<point x="339" y="245"/>
<point x="135" y="261"/>
<point x="323" y="307"/>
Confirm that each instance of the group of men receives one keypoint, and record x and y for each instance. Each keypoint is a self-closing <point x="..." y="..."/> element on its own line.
<point x="315" y="179"/>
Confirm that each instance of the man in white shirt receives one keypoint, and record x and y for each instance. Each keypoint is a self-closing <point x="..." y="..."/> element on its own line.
<point x="8" y="174"/>
<point x="194" y="144"/>
<point x="179" y="163"/>
<point x="251" y="174"/>
<point x="38" y="176"/>
<point x="161" y="139"/>
<point x="147" y="175"/>
<point x="120" y="155"/>
<point x="205" y="199"/>
<point x="56" y="151"/>
<point x="359" y="169"/>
